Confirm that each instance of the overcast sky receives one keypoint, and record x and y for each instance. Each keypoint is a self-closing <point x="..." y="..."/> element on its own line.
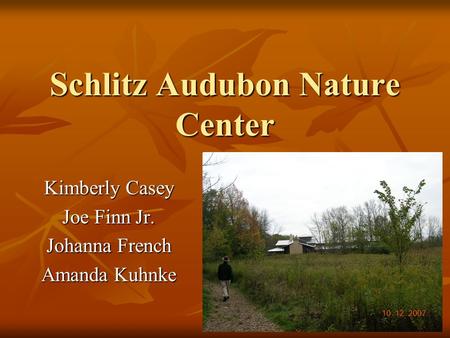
<point x="294" y="186"/>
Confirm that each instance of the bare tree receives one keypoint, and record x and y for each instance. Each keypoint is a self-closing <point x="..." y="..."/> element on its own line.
<point x="317" y="229"/>
<point x="209" y="182"/>
<point x="434" y="230"/>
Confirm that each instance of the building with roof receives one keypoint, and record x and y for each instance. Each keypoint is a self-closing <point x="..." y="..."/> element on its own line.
<point x="292" y="246"/>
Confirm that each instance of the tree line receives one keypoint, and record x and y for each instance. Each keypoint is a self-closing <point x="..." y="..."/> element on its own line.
<point x="364" y="228"/>
<point x="388" y="224"/>
<point x="232" y="226"/>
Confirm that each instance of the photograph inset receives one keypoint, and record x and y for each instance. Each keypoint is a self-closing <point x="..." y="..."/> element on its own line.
<point x="322" y="242"/>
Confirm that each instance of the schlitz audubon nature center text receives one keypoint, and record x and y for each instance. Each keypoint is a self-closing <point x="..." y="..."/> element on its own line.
<point x="191" y="124"/>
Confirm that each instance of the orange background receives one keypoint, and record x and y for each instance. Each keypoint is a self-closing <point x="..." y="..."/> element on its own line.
<point x="120" y="139"/>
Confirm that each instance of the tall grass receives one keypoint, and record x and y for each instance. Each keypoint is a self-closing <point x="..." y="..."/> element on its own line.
<point x="207" y="303"/>
<point x="332" y="292"/>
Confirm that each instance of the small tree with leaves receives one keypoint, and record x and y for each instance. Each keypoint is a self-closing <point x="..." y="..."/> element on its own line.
<point x="403" y="214"/>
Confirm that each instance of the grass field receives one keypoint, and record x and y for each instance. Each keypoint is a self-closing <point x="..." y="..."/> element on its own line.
<point x="352" y="292"/>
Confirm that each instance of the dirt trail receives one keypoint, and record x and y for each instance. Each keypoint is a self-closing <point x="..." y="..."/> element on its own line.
<point x="235" y="315"/>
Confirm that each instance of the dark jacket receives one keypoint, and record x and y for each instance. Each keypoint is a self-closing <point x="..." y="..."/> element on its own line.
<point x="225" y="272"/>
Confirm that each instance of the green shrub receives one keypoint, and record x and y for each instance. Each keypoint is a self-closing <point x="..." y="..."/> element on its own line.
<point x="377" y="248"/>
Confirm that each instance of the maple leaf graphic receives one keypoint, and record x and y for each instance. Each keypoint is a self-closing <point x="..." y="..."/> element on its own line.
<point x="223" y="52"/>
<point x="365" y="53"/>
<point x="137" y="293"/>
<point x="22" y="88"/>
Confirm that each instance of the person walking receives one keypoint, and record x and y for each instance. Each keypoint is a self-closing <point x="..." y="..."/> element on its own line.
<point x="225" y="275"/>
